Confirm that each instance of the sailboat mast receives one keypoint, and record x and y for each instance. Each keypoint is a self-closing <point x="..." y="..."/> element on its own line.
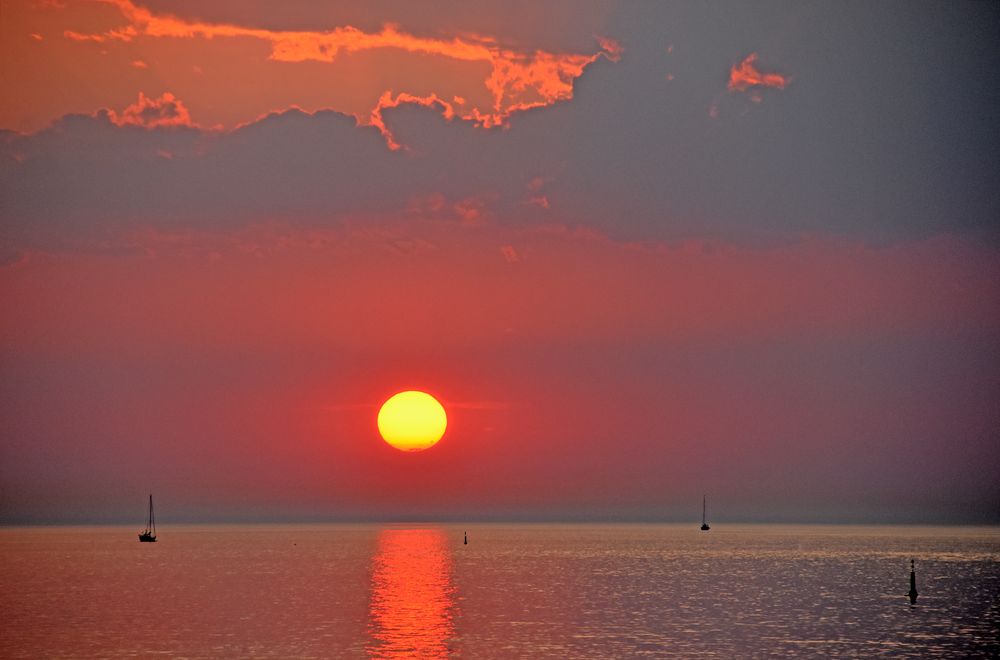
<point x="703" y="521"/>
<point x="151" y="525"/>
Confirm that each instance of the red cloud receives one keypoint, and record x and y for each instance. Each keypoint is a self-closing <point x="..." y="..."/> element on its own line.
<point x="388" y="101"/>
<point x="745" y="75"/>
<point x="166" y="110"/>
<point x="612" y="48"/>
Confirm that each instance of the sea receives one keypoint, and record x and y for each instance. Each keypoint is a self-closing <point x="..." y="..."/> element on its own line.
<point x="513" y="591"/>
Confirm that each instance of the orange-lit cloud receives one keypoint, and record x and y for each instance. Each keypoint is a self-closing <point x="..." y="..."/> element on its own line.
<point x="165" y="110"/>
<point x="516" y="80"/>
<point x="745" y="75"/>
<point x="613" y="49"/>
<point x="387" y="100"/>
<point x="522" y="82"/>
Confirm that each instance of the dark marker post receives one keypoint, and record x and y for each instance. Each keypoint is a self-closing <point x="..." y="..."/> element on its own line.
<point x="913" y="584"/>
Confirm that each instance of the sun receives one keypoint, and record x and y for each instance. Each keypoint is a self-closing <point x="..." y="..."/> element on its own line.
<point x="412" y="421"/>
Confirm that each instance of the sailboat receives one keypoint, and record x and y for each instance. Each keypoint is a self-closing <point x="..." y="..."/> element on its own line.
<point x="149" y="534"/>
<point x="704" y="521"/>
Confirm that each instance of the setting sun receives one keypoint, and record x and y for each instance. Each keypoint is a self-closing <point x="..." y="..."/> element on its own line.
<point x="412" y="421"/>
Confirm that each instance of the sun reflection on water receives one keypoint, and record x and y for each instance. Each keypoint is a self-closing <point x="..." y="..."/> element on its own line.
<point x="412" y="605"/>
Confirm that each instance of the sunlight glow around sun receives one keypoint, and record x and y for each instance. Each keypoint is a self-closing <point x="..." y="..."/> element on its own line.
<point x="412" y="421"/>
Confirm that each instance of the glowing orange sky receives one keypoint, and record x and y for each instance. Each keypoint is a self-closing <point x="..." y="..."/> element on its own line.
<point x="535" y="361"/>
<point x="638" y="250"/>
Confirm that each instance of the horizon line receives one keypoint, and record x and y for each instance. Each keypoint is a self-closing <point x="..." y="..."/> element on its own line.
<point x="406" y="520"/>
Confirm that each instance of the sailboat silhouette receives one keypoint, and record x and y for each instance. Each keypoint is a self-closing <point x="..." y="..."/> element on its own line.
<point x="704" y="521"/>
<point x="149" y="534"/>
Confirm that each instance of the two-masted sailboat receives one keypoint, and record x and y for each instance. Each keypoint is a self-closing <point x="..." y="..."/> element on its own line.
<point x="148" y="535"/>
<point x="704" y="521"/>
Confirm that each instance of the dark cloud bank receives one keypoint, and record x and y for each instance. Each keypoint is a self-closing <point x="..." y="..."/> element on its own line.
<point x="875" y="140"/>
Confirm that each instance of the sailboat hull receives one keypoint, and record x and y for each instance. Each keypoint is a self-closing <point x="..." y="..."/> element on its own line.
<point x="147" y="538"/>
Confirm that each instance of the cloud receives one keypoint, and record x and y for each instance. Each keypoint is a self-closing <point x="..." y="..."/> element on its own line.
<point x="387" y="100"/>
<point x="163" y="111"/>
<point x="62" y="188"/>
<point x="744" y="76"/>
<point x="127" y="33"/>
<point x="612" y="47"/>
<point x="628" y="156"/>
<point x="517" y="81"/>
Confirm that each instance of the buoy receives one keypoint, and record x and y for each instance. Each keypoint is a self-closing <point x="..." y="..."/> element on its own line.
<point x="913" y="584"/>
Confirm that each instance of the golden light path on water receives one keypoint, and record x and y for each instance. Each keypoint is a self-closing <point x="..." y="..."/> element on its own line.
<point x="516" y="591"/>
<point x="412" y="597"/>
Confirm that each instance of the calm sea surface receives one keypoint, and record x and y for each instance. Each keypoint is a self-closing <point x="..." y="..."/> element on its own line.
<point x="561" y="591"/>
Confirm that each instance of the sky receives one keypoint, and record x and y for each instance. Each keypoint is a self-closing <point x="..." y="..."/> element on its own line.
<point x="640" y="251"/>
